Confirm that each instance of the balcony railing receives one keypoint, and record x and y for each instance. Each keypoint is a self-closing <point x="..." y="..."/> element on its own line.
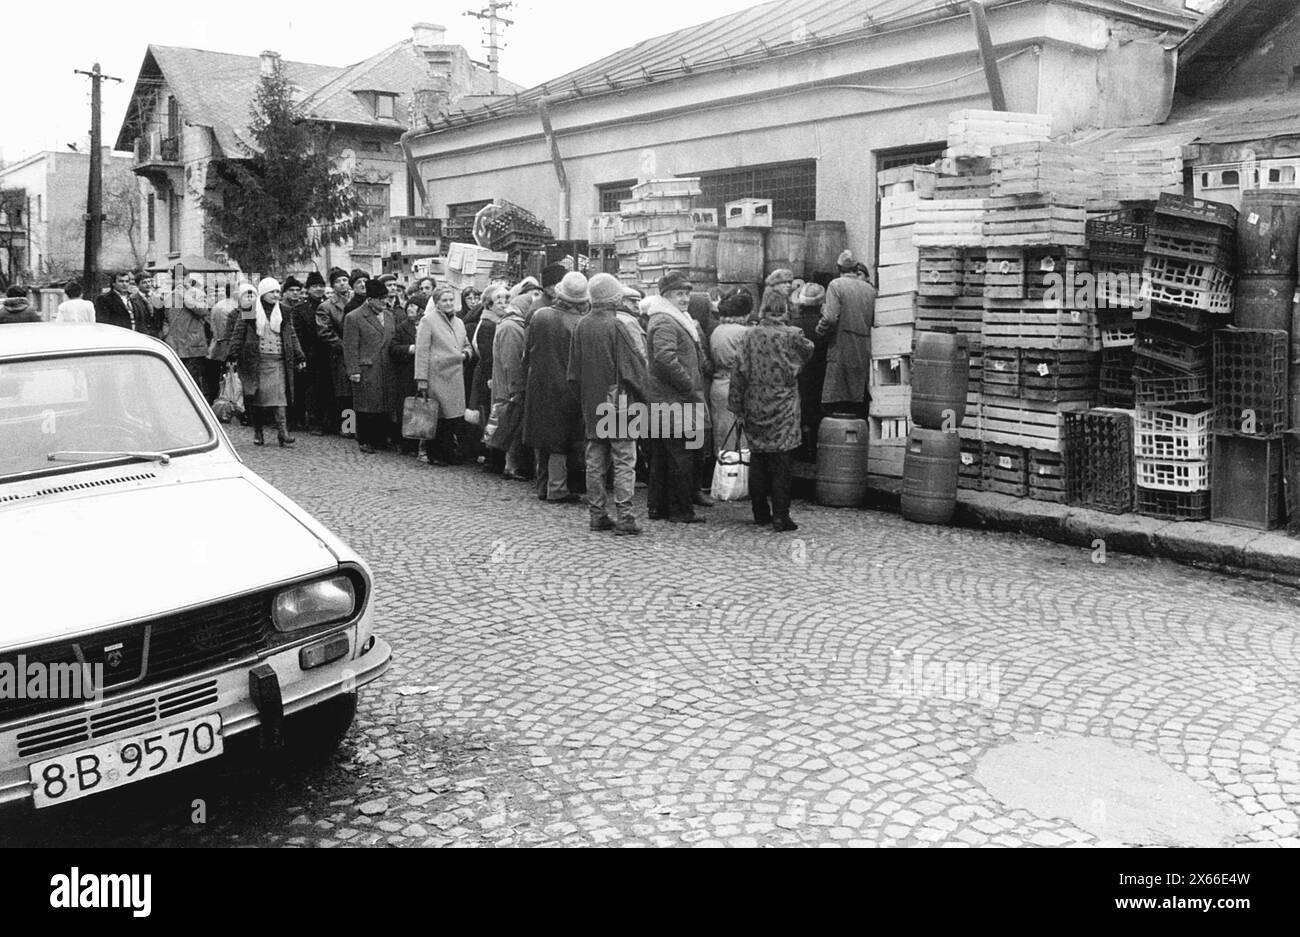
<point x="155" y="149"/>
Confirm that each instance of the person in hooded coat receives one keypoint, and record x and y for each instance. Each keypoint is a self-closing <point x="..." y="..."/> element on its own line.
<point x="264" y="350"/>
<point x="509" y="381"/>
<point x="441" y="350"/>
<point x="17" y="308"/>
<point x="482" y="334"/>
<point x="367" y="332"/>
<point x="552" y="415"/>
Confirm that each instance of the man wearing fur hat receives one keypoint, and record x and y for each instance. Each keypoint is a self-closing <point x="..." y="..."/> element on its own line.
<point x="334" y="389"/>
<point x="676" y="382"/>
<point x="367" y="331"/>
<point x="608" y="372"/>
<point x="552" y="415"/>
<point x="551" y="277"/>
<point x="847" y="317"/>
<point x="357" y="280"/>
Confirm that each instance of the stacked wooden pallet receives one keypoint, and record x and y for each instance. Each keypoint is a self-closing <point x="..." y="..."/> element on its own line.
<point x="1141" y="175"/>
<point x="900" y="191"/>
<point x="973" y="134"/>
<point x="1058" y="168"/>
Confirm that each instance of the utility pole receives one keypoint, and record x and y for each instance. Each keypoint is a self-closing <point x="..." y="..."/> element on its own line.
<point x="494" y="21"/>
<point x="95" y="191"/>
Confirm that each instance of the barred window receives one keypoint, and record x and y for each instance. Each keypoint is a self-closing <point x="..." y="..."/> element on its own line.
<point x="792" y="187"/>
<point x="611" y="193"/>
<point x="909" y="156"/>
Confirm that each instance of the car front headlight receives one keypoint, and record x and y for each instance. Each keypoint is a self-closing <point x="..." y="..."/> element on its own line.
<point x="312" y="604"/>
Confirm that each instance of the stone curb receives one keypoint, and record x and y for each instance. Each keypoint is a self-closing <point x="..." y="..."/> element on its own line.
<point x="1271" y="556"/>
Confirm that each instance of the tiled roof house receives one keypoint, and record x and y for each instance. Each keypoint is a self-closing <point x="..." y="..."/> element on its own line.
<point x="192" y="106"/>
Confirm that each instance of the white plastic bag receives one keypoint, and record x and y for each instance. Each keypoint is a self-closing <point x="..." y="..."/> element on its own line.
<point x="731" y="476"/>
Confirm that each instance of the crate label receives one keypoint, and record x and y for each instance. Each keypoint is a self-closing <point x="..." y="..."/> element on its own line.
<point x="1044" y="370"/>
<point x="1047" y="264"/>
<point x="999" y="365"/>
<point x="895" y="364"/>
<point x="1074" y="314"/>
<point x="1006" y="267"/>
<point x="1004" y="461"/>
<point x="1042" y="470"/>
<point x="1252" y="218"/>
<point x="967" y="458"/>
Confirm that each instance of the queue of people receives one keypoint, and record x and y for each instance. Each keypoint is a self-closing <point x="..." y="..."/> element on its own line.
<point x="535" y="382"/>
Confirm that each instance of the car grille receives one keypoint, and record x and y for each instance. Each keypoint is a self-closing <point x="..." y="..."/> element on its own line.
<point x="101" y="723"/>
<point x="154" y="651"/>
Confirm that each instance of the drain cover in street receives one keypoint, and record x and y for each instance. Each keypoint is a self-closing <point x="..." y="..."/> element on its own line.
<point x="1118" y="794"/>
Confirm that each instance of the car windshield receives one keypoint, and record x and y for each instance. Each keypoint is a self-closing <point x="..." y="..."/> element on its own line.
<point x="95" y="408"/>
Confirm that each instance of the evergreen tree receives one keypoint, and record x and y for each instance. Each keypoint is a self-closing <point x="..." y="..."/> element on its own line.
<point x="286" y="199"/>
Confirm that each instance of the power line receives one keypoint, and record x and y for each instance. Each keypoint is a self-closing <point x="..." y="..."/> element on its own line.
<point x="495" y="21"/>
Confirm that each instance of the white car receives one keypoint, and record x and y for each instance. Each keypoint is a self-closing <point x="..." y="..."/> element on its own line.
<point x="158" y="597"/>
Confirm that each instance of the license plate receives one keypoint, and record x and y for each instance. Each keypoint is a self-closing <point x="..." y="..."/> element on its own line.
<point x="125" y="761"/>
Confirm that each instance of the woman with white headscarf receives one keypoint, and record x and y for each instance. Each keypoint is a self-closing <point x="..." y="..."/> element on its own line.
<point x="441" y="350"/>
<point x="265" y="351"/>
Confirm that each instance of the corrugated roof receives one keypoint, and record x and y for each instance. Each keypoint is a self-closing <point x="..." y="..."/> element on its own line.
<point x="779" y="27"/>
<point x="1227" y="33"/>
<point x="216" y="89"/>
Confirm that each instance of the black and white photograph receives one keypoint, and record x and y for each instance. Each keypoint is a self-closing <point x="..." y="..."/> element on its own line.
<point x="723" y="424"/>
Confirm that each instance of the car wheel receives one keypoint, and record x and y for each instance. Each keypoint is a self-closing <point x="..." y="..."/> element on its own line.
<point x="314" y="735"/>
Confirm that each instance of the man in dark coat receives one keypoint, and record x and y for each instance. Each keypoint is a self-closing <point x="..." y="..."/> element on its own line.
<point x="295" y="303"/>
<point x="334" y="389"/>
<point x="847" y="317"/>
<point x="552" y="416"/>
<point x="609" y="374"/>
<point x="317" y="407"/>
<point x="367" y="332"/>
<point x="114" y="307"/>
<point x="677" y="385"/>
<point x="147" y="306"/>
<point x="358" y="279"/>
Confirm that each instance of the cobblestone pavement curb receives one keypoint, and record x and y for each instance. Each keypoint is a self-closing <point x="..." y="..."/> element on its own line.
<point x="726" y="685"/>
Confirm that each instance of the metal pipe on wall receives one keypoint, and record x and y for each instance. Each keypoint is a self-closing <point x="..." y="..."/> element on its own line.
<point x="566" y="222"/>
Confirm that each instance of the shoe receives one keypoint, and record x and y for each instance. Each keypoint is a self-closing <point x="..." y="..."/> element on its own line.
<point x="317" y="432"/>
<point x="258" y="438"/>
<point x="437" y="463"/>
<point x="422" y="458"/>
<point x="783" y="524"/>
<point x="602" y="523"/>
<point x="367" y="449"/>
<point x="491" y="469"/>
<point x="348" y="435"/>
<point x="762" y="522"/>
<point x="691" y="519"/>
<point x="567" y="499"/>
<point x="627" y="528"/>
<point x="286" y="440"/>
<point x="656" y="516"/>
<point x="700" y="499"/>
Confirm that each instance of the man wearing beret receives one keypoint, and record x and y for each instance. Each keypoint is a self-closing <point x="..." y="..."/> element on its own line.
<point x="334" y="388"/>
<point x="552" y="415"/>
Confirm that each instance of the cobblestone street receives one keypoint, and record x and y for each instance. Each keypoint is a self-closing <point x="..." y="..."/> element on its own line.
<point x="852" y="683"/>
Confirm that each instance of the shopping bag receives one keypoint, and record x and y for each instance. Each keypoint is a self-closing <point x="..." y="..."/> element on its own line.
<point x="230" y="402"/>
<point x="731" y="473"/>
<point x="419" y="418"/>
<point x="502" y="426"/>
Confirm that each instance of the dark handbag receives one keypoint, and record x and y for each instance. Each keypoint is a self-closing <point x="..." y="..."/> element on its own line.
<point x="503" y="425"/>
<point x="419" y="418"/>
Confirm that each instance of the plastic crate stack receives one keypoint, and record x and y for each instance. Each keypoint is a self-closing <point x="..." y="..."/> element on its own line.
<point x="1099" y="459"/>
<point x="1188" y="261"/>
<point x="1250" y="418"/>
<point x="655" y="230"/>
<point x="1116" y="252"/>
<point x="899" y="190"/>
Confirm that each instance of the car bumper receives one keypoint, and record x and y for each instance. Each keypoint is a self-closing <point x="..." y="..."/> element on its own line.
<point x="225" y="691"/>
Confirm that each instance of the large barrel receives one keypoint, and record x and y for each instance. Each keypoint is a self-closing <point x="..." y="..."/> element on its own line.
<point x="1268" y="230"/>
<point x="740" y="256"/>
<point x="826" y="241"/>
<point x="842" y="461"/>
<point x="940" y="374"/>
<point x="930" y="467"/>
<point x="704" y="250"/>
<point x="787" y="247"/>
<point x="755" y="291"/>
<point x="1264" y="302"/>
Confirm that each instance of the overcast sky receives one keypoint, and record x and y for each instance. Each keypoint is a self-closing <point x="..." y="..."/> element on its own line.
<point x="43" y="105"/>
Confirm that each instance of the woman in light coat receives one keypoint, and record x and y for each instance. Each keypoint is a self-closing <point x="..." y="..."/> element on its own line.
<point x="441" y="350"/>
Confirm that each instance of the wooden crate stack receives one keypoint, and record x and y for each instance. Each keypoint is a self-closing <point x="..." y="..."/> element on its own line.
<point x="1142" y="175"/>
<point x="655" y="230"/>
<point x="899" y="191"/>
<point x="973" y="134"/>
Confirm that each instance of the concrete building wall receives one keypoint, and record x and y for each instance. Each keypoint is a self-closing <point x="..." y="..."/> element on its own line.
<point x="836" y="105"/>
<point x="1271" y="66"/>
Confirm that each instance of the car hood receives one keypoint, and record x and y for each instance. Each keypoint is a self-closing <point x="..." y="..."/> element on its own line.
<point x="84" y="563"/>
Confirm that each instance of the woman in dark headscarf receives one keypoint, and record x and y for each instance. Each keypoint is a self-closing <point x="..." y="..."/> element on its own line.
<point x="732" y="311"/>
